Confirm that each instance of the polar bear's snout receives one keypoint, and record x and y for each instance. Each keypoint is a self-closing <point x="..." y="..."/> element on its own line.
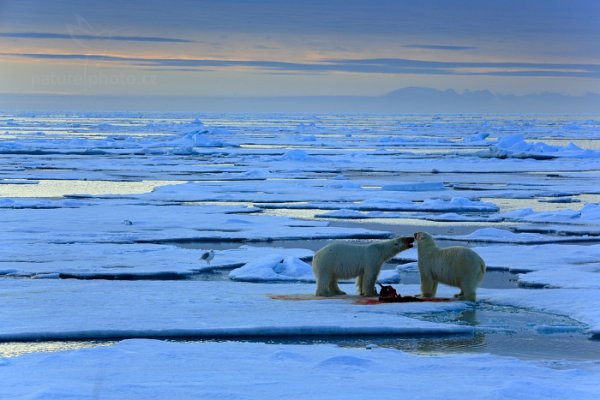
<point x="419" y="236"/>
<point x="408" y="241"/>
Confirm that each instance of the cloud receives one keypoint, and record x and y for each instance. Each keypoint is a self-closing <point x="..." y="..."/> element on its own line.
<point x="439" y="47"/>
<point x="366" y="66"/>
<point x="64" y="36"/>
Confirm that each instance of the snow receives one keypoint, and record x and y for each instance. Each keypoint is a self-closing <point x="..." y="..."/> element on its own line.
<point x="570" y="266"/>
<point x="220" y="182"/>
<point x="416" y="186"/>
<point x="495" y="235"/>
<point x="351" y="214"/>
<point x="111" y="260"/>
<point x="167" y="223"/>
<point x="150" y="369"/>
<point x="274" y="267"/>
<point x="527" y="258"/>
<point x="37" y="203"/>
<point x="589" y="213"/>
<point x="454" y="217"/>
<point x="476" y="138"/>
<point x="580" y="304"/>
<point x="515" y="146"/>
<point x="18" y="182"/>
<point x="579" y="276"/>
<point x="299" y="156"/>
<point x="453" y="204"/>
<point x="162" y="309"/>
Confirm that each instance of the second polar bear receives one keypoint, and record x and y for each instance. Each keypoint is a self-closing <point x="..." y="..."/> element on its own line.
<point x="454" y="266"/>
<point x="343" y="260"/>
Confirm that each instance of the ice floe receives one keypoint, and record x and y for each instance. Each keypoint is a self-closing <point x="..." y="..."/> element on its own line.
<point x="142" y="369"/>
<point x="580" y="304"/>
<point x="51" y="309"/>
<point x="40" y="203"/>
<point x="453" y="204"/>
<point x="564" y="276"/>
<point x="415" y="186"/>
<point x="495" y="235"/>
<point x="154" y="223"/>
<point x="235" y="178"/>
<point x="125" y="261"/>
<point x="527" y="258"/>
<point x="274" y="267"/>
<point x="515" y="146"/>
<point x="588" y="214"/>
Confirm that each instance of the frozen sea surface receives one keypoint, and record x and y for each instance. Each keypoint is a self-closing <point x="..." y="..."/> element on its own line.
<point x="143" y="369"/>
<point x="124" y="205"/>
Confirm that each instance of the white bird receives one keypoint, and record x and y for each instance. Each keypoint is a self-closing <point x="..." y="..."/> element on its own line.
<point x="207" y="256"/>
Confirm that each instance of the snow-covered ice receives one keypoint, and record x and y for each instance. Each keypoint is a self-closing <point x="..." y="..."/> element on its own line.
<point x="53" y="309"/>
<point x="580" y="304"/>
<point x="110" y="260"/>
<point x="515" y="146"/>
<point x="453" y="204"/>
<point x="105" y="222"/>
<point x="495" y="235"/>
<point x="523" y="191"/>
<point x="274" y="268"/>
<point x="143" y="369"/>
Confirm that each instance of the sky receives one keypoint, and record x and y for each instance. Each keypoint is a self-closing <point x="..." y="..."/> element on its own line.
<point x="302" y="48"/>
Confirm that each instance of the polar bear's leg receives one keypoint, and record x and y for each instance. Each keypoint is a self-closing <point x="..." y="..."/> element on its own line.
<point x="467" y="296"/>
<point x="334" y="289"/>
<point x="467" y="293"/>
<point x="368" y="283"/>
<point x="359" y="284"/>
<point x="428" y="286"/>
<point x="323" y="282"/>
<point x="468" y="286"/>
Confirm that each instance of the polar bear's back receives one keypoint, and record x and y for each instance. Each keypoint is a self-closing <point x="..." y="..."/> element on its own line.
<point x="343" y="256"/>
<point x="342" y="251"/>
<point x="460" y="261"/>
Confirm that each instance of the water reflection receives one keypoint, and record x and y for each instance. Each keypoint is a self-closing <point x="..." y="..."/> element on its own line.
<point x="509" y="331"/>
<point x="61" y="188"/>
<point x="13" y="349"/>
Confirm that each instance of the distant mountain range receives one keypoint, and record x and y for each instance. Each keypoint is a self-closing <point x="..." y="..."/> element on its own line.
<point x="487" y="102"/>
<point x="405" y="100"/>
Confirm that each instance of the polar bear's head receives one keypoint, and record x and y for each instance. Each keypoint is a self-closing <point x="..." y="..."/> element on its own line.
<point x="423" y="237"/>
<point x="404" y="242"/>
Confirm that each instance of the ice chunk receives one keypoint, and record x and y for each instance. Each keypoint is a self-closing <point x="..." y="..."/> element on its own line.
<point x="274" y="267"/>
<point x="416" y="187"/>
<point x="476" y="138"/>
<point x="495" y="235"/>
<point x="515" y="146"/>
<point x="589" y="213"/>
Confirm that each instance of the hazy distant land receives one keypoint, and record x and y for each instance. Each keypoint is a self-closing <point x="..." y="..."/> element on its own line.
<point x="404" y="100"/>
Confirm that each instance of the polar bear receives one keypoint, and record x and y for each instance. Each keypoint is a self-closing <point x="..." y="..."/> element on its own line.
<point x="454" y="266"/>
<point x="343" y="260"/>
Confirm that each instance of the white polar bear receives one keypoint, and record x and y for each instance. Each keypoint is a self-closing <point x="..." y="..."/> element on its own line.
<point x="454" y="266"/>
<point x="343" y="260"/>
